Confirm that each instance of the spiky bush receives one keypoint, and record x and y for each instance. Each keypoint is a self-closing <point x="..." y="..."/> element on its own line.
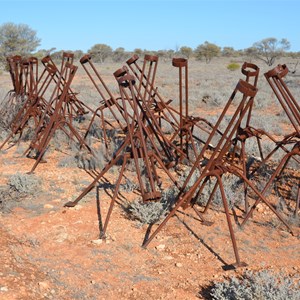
<point x="257" y="286"/>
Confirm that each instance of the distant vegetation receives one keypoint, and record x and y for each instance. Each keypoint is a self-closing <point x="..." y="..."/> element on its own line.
<point x="233" y="66"/>
<point x="17" y="39"/>
<point x="20" y="39"/>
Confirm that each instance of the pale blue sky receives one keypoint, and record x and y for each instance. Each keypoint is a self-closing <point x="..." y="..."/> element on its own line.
<point x="156" y="24"/>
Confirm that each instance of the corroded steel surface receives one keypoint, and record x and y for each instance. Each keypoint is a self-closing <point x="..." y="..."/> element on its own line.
<point x="141" y="115"/>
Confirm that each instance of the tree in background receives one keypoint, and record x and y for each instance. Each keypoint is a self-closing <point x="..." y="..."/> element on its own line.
<point x="78" y="54"/>
<point x="160" y="53"/>
<point x="138" y="51"/>
<point x="170" y="53"/>
<point x="186" y="51"/>
<point x="17" y="39"/>
<point x="57" y="55"/>
<point x="119" y="54"/>
<point x="44" y="52"/>
<point x="269" y="49"/>
<point x="100" y="52"/>
<point x="250" y="53"/>
<point x="207" y="51"/>
<point x="229" y="52"/>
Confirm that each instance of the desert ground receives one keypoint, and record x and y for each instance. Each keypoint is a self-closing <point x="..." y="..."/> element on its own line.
<point x="49" y="251"/>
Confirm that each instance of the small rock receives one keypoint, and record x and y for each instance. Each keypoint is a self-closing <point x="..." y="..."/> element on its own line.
<point x="260" y="208"/>
<point x="168" y="257"/>
<point x="113" y="238"/>
<point x="93" y="281"/>
<point x="179" y="265"/>
<point x="44" y="286"/>
<point x="284" y="234"/>
<point x="48" y="206"/>
<point x="56" y="200"/>
<point x="60" y="233"/>
<point x="78" y="207"/>
<point x="160" y="247"/>
<point x="4" y="289"/>
<point x="78" y="222"/>
<point x="97" y="242"/>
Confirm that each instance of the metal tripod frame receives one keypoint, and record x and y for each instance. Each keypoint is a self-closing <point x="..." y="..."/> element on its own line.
<point x="292" y="109"/>
<point x="107" y="101"/>
<point x="217" y="165"/>
<point x="58" y="118"/>
<point x="136" y="145"/>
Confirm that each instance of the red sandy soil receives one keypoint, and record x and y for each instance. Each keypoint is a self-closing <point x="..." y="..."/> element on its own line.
<point x="52" y="252"/>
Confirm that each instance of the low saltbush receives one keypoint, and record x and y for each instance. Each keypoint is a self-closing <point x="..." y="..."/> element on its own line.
<point x="257" y="286"/>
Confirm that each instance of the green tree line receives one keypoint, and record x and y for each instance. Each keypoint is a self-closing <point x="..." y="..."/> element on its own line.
<point x="20" y="39"/>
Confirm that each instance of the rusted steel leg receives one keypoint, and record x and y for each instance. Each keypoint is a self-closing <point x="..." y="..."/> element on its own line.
<point x="284" y="96"/>
<point x="181" y="63"/>
<point x="232" y="236"/>
<point x="298" y="200"/>
<point x="211" y="197"/>
<point x="262" y="198"/>
<point x="7" y="139"/>
<point x="162" y="224"/>
<point x="113" y="200"/>
<point x="202" y="219"/>
<point x="244" y="157"/>
<point x="107" y="98"/>
<point x="111" y="163"/>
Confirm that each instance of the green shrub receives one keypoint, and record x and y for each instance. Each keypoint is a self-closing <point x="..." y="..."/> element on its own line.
<point x="233" y="66"/>
<point x="260" y="285"/>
